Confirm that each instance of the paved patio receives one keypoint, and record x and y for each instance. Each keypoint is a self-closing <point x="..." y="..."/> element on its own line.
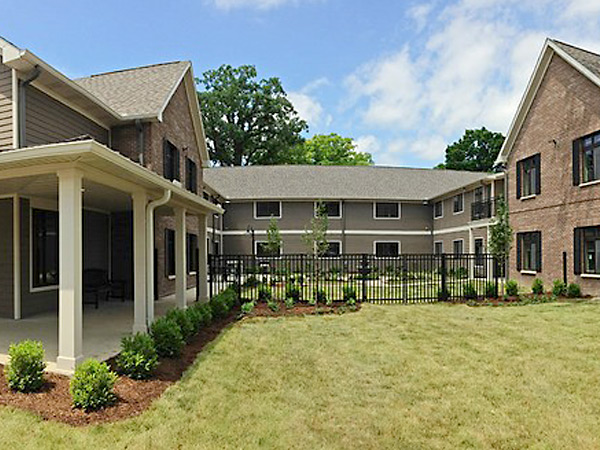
<point x="103" y="328"/>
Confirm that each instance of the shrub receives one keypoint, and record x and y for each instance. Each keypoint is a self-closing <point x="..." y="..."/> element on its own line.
<point x="289" y="302"/>
<point x="512" y="288"/>
<point x="349" y="294"/>
<point x="138" y="357"/>
<point x="230" y="297"/>
<point x="182" y="319"/>
<point x="206" y="312"/>
<point x="92" y="385"/>
<point x="167" y="337"/>
<point x="218" y="307"/>
<point x="559" y="288"/>
<point x="320" y="296"/>
<point x="25" y="371"/>
<point x="195" y="317"/>
<point x="461" y="272"/>
<point x="537" y="286"/>
<point x="491" y="289"/>
<point x="443" y="294"/>
<point x="264" y="293"/>
<point x="573" y="290"/>
<point x="292" y="291"/>
<point x="273" y="305"/>
<point x="247" y="307"/>
<point x="252" y="281"/>
<point x="469" y="291"/>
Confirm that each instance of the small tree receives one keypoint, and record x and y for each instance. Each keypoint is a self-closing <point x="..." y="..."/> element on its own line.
<point x="315" y="237"/>
<point x="501" y="234"/>
<point x="273" y="245"/>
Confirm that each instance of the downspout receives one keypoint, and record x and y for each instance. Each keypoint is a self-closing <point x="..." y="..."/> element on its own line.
<point x="150" y="253"/>
<point x="139" y="126"/>
<point x="31" y="77"/>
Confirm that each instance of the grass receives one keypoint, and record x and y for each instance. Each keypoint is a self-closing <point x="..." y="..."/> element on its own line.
<point x="419" y="376"/>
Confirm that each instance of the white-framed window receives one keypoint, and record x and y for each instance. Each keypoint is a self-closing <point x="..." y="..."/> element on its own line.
<point x="267" y="209"/>
<point x="383" y="249"/>
<point x="333" y="209"/>
<point x="438" y="247"/>
<point x="261" y="251"/>
<point x="438" y="210"/>
<point x="458" y="203"/>
<point x="458" y="246"/>
<point x="334" y="249"/>
<point x="386" y="210"/>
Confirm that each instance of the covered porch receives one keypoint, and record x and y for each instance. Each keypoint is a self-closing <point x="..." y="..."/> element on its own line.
<point x="42" y="266"/>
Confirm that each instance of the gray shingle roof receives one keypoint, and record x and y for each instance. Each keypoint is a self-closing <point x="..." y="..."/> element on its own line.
<point x="589" y="60"/>
<point x="335" y="182"/>
<point x="141" y="91"/>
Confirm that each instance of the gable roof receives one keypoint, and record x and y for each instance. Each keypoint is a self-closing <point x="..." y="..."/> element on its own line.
<point x="299" y="182"/>
<point x="584" y="61"/>
<point x="141" y="92"/>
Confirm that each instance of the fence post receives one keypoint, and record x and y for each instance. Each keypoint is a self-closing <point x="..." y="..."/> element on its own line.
<point x="210" y="276"/>
<point x="363" y="269"/>
<point x="445" y="293"/>
<point x="496" y="271"/>
<point x="239" y="277"/>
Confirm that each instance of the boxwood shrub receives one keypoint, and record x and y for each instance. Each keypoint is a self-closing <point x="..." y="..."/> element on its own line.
<point x="559" y="288"/>
<point x="219" y="307"/>
<point x="512" y="288"/>
<point x="537" y="286"/>
<point x="182" y="319"/>
<point x="167" y="337"/>
<point x="138" y="357"/>
<point x="25" y="370"/>
<point x="92" y="386"/>
<point x="573" y="290"/>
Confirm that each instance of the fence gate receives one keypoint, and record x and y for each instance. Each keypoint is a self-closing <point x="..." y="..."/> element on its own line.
<point x="407" y="278"/>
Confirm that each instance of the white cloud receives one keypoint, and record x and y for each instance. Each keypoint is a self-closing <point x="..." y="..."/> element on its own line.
<point x="308" y="108"/>
<point x="254" y="4"/>
<point x="367" y="143"/>
<point x="419" y="13"/>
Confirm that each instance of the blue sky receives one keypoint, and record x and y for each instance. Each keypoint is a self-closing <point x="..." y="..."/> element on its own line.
<point x="402" y="78"/>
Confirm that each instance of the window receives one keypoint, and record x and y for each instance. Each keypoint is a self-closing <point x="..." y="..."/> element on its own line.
<point x="334" y="249"/>
<point x="478" y="195"/>
<point x="438" y="210"/>
<point x="267" y="210"/>
<point x="387" y="210"/>
<point x="438" y="247"/>
<point x="479" y="252"/>
<point x="586" y="150"/>
<point x="529" y="251"/>
<point x="169" y="252"/>
<point x="528" y="176"/>
<point x="458" y="246"/>
<point x="262" y="250"/>
<point x="332" y="209"/>
<point x="383" y="249"/>
<point x="587" y="250"/>
<point x="170" y="161"/>
<point x="191" y="176"/>
<point x="459" y="203"/>
<point x="44" y="248"/>
<point x="192" y="252"/>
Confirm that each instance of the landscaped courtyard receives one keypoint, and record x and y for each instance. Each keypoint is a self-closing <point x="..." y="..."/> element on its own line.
<point x="416" y="376"/>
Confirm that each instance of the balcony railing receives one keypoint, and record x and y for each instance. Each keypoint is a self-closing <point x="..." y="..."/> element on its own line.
<point x="483" y="209"/>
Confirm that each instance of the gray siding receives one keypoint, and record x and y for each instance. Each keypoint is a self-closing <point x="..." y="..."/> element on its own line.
<point x="6" y="262"/>
<point x="6" y="115"/>
<point x="49" y="121"/>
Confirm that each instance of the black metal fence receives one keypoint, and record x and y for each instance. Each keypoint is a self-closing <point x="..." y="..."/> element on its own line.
<point x="408" y="278"/>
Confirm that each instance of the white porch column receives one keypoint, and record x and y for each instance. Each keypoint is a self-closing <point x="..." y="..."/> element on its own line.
<point x="202" y="260"/>
<point x="70" y="305"/>
<point x="140" y="315"/>
<point x="180" y="258"/>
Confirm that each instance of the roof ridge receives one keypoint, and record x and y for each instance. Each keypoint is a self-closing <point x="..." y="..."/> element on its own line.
<point x="576" y="47"/>
<point x="347" y="166"/>
<point x="112" y="72"/>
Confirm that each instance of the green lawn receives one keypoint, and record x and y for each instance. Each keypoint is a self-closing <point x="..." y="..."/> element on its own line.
<point x="421" y="376"/>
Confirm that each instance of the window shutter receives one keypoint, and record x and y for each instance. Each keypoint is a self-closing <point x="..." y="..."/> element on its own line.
<point x="519" y="179"/>
<point x="519" y="236"/>
<point x="166" y="162"/>
<point x="539" y="250"/>
<point x="576" y="170"/>
<point x="176" y="164"/>
<point x="577" y="251"/>
<point x="538" y="173"/>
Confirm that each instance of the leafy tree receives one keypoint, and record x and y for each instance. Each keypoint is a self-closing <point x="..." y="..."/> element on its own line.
<point x="329" y="150"/>
<point x="247" y="121"/>
<point x="315" y="237"/>
<point x="273" y="244"/>
<point x="476" y="150"/>
<point x="501" y="234"/>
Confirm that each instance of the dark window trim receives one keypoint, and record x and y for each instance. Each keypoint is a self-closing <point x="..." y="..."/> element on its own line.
<point x="191" y="175"/>
<point x="396" y="217"/>
<point x="435" y="215"/>
<point x="339" y="202"/>
<point x="191" y="244"/>
<point x="257" y="217"/>
<point x="171" y="161"/>
<point x="537" y="189"/>
<point x="398" y="245"/>
<point x="462" y="203"/>
<point x="537" y="236"/>
<point x="170" y="252"/>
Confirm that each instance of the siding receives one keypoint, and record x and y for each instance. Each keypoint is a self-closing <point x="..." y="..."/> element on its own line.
<point x="6" y="119"/>
<point x="48" y="121"/>
<point x="6" y="262"/>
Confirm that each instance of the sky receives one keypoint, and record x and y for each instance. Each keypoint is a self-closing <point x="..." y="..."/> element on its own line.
<point x="402" y="78"/>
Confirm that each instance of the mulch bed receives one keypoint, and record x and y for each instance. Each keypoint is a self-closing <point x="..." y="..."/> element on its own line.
<point x="133" y="396"/>
<point x="299" y="309"/>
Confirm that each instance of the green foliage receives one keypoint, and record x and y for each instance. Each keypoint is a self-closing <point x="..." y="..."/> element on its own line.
<point x="476" y="150"/>
<point x="247" y="307"/>
<point x="469" y="291"/>
<point x="92" y="386"/>
<point x="289" y="302"/>
<point x="252" y="281"/>
<point x="512" y="288"/>
<point x="501" y="233"/>
<point x="206" y="312"/>
<point x="293" y="292"/>
<point x="247" y="121"/>
<point x="329" y="150"/>
<point x="273" y="244"/>
<point x="460" y="272"/>
<point x="315" y="237"/>
<point x="138" y="357"/>
<point x="182" y="319"/>
<point x="573" y="290"/>
<point x="349" y="294"/>
<point x="25" y="370"/>
<point x="491" y="289"/>
<point x="167" y="337"/>
<point x="443" y="294"/>
<point x="220" y="304"/>
<point x="559" y="288"/>
<point x="264" y="293"/>
<point x="537" y="287"/>
<point x="195" y="317"/>
<point x="273" y="305"/>
<point x="321" y="296"/>
<point x="230" y="296"/>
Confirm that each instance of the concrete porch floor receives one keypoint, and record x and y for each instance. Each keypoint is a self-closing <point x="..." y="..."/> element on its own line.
<point x="103" y="328"/>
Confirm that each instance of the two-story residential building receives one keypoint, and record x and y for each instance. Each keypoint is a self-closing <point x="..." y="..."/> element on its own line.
<point x="552" y="158"/>
<point x="377" y="210"/>
<point x="99" y="183"/>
